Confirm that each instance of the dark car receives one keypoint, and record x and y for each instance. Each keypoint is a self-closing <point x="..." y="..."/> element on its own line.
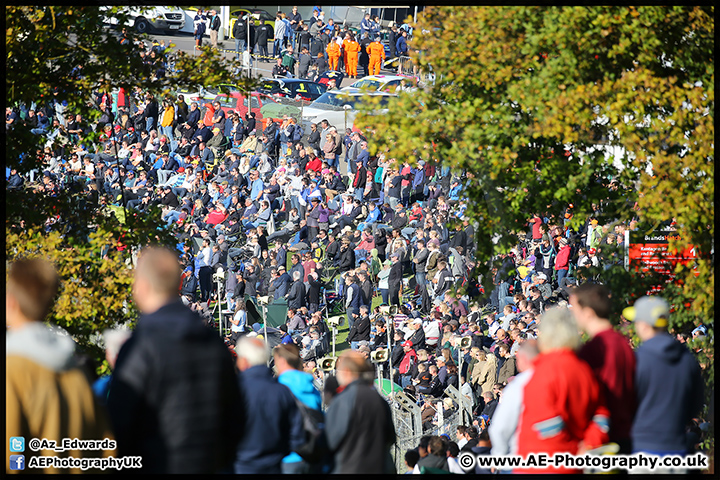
<point x="291" y="89"/>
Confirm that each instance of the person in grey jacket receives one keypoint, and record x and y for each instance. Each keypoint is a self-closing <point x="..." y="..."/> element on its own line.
<point x="304" y="63"/>
<point x="296" y="295"/>
<point x="358" y="422"/>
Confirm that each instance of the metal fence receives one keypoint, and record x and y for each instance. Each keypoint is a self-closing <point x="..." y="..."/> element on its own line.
<point x="408" y="423"/>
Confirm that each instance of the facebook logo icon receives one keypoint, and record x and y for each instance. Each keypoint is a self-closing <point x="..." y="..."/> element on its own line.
<point x="17" y="462"/>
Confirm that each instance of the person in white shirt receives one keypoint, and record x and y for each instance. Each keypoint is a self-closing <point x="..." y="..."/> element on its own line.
<point x="238" y="321"/>
<point x="503" y="428"/>
<point x="452" y="452"/>
<point x="493" y="325"/>
<point x="206" y="271"/>
<point x="461" y="436"/>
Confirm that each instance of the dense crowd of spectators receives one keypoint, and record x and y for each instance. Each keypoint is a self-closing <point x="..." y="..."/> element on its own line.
<point x="314" y="221"/>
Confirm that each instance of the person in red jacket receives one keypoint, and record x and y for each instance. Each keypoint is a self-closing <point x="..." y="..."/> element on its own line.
<point x="315" y="165"/>
<point x="218" y="215"/>
<point x="360" y="180"/>
<point x="563" y="406"/>
<point x="562" y="260"/>
<point x="408" y="362"/>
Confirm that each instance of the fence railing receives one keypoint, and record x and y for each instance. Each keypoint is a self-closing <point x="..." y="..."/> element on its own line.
<point x="409" y="429"/>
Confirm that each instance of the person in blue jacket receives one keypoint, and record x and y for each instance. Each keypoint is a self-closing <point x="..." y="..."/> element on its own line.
<point x="401" y="47"/>
<point x="289" y="368"/>
<point x="668" y="382"/>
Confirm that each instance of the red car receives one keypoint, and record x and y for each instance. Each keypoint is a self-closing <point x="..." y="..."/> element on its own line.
<point x="238" y="102"/>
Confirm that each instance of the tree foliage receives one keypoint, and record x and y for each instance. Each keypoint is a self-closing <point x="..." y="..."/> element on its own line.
<point x="91" y="248"/>
<point x="528" y="102"/>
<point x="95" y="290"/>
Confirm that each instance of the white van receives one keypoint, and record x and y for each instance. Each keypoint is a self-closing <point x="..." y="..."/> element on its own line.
<point x="145" y="19"/>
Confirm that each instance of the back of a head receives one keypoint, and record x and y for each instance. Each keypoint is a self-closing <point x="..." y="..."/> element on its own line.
<point x="412" y="457"/>
<point x="254" y="351"/>
<point x="437" y="446"/>
<point x="558" y="329"/>
<point x="290" y="352"/>
<point x="529" y="349"/>
<point x="161" y="269"/>
<point x="472" y="432"/>
<point x="33" y="283"/>
<point x="595" y="297"/>
<point x="355" y="364"/>
<point x="424" y="442"/>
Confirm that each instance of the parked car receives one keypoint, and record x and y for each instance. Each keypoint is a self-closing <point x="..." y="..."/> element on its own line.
<point x="238" y="102"/>
<point x="201" y="95"/>
<point x="205" y="94"/>
<point x="338" y="107"/>
<point x="291" y="90"/>
<point x="146" y="19"/>
<point x="384" y="83"/>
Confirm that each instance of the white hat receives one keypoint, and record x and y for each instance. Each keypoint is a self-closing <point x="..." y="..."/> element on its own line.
<point x="541" y="276"/>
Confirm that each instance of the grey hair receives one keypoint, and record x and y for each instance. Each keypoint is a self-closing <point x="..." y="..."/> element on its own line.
<point x="253" y="350"/>
<point x="296" y="275"/>
<point x="558" y="329"/>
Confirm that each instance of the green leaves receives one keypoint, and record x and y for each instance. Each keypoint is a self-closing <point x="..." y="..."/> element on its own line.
<point x="532" y="99"/>
<point x="45" y="47"/>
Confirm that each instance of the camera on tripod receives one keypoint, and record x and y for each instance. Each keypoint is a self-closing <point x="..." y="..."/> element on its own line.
<point x="219" y="275"/>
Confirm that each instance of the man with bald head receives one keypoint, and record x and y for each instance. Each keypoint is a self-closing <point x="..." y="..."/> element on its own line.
<point x="358" y="422"/>
<point x="174" y="395"/>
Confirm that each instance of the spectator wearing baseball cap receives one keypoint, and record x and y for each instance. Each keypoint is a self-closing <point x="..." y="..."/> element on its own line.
<point x="668" y="379"/>
<point x="408" y="364"/>
<point x="542" y="285"/>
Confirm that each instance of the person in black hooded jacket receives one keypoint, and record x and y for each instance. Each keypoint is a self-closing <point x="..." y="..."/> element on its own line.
<point x="346" y="256"/>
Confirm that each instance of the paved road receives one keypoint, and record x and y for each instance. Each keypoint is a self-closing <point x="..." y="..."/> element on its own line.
<point x="186" y="43"/>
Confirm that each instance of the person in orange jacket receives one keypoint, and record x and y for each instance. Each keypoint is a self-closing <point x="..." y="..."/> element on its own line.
<point x="352" y="48"/>
<point x="333" y="51"/>
<point x="377" y="55"/>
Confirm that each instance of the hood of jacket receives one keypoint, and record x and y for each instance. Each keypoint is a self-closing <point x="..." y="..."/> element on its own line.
<point x="664" y="347"/>
<point x="301" y="385"/>
<point x="48" y="346"/>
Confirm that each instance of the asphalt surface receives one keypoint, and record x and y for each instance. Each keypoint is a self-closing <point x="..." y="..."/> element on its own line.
<point x="186" y="43"/>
